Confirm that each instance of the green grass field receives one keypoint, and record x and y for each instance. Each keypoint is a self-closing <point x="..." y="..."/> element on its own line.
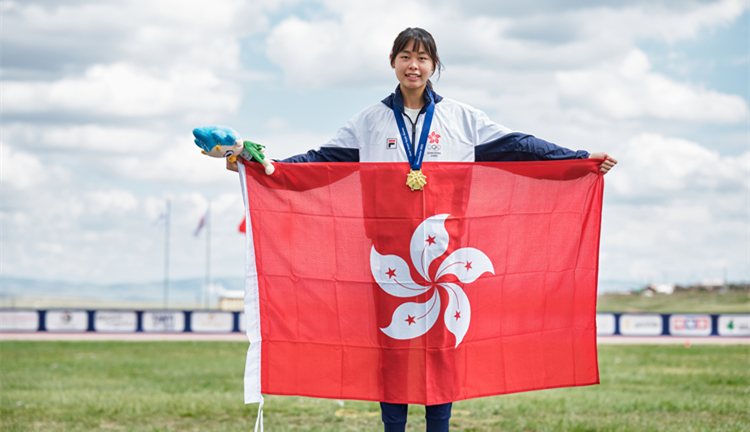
<point x="681" y="301"/>
<point x="164" y="386"/>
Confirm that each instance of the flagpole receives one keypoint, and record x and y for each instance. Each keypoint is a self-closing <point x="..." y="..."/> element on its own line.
<point x="208" y="256"/>
<point x="166" y="257"/>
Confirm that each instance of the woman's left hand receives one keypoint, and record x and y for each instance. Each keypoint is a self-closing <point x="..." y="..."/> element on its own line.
<point x="608" y="163"/>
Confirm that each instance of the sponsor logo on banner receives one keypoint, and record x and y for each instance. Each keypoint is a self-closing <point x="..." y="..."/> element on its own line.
<point x="243" y="324"/>
<point x="734" y="325"/>
<point x="115" y="321"/>
<point x="212" y="322"/>
<point x="689" y="325"/>
<point x="67" y="321"/>
<point x="19" y="320"/>
<point x="605" y="324"/>
<point x="640" y="324"/>
<point x="163" y="321"/>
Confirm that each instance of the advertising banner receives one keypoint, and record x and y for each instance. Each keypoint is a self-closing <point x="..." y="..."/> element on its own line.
<point x="640" y="324"/>
<point x="212" y="322"/>
<point x="115" y="321"/>
<point x="67" y="321"/>
<point x="19" y="321"/>
<point x="689" y="325"/>
<point x="734" y="325"/>
<point x="605" y="324"/>
<point x="242" y="323"/>
<point x="163" y="321"/>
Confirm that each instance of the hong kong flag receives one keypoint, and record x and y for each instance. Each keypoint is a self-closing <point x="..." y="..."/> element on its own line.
<point x="483" y="283"/>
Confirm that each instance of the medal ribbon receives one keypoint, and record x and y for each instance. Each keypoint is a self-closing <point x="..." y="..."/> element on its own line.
<point x="415" y="157"/>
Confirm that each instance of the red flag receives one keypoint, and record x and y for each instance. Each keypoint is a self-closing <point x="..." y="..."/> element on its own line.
<point x="242" y="228"/>
<point x="201" y="224"/>
<point x="484" y="283"/>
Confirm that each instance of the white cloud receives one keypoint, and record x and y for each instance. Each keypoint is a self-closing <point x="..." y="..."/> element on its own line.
<point x="180" y="163"/>
<point x="281" y="145"/>
<point x="683" y="25"/>
<point x="631" y="90"/>
<point x="321" y="53"/>
<point x="277" y="123"/>
<point x="124" y="90"/>
<point x="108" y="234"/>
<point x="162" y="34"/>
<point x="654" y="165"/>
<point x="88" y="138"/>
<point x="681" y="241"/>
<point x="20" y="170"/>
<point x="110" y="201"/>
<point x="675" y="211"/>
<point x="352" y="48"/>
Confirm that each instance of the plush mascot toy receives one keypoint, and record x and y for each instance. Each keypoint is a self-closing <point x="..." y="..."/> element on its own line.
<point x="225" y="142"/>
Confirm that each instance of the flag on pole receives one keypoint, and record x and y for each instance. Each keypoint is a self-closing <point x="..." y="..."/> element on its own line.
<point x="201" y="224"/>
<point x="484" y="283"/>
<point x="242" y="228"/>
<point x="161" y="221"/>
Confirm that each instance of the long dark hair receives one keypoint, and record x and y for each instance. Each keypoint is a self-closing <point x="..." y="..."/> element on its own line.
<point x="418" y="37"/>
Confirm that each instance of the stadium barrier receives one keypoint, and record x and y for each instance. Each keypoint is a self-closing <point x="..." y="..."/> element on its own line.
<point x="121" y="321"/>
<point x="202" y="321"/>
<point x="677" y="324"/>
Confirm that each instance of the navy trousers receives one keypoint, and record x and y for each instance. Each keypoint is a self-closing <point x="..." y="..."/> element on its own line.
<point x="394" y="416"/>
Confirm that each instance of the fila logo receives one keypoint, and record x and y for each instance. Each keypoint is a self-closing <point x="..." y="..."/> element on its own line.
<point x="391" y="144"/>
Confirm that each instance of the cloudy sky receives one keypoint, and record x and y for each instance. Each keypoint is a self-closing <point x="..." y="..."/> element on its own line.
<point x="99" y="100"/>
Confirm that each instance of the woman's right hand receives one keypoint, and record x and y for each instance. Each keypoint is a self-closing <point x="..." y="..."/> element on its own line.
<point x="232" y="166"/>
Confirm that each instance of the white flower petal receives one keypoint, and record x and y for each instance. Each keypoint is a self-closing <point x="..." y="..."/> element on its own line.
<point x="467" y="264"/>
<point x="391" y="272"/>
<point x="429" y="241"/>
<point x="412" y="320"/>
<point x="457" y="315"/>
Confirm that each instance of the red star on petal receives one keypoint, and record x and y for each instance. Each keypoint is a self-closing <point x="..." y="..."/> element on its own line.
<point x="391" y="272"/>
<point x="468" y="265"/>
<point x="457" y="315"/>
<point x="410" y="320"/>
<point x="430" y="240"/>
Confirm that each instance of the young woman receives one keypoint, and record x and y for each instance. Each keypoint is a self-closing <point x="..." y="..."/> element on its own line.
<point x="413" y="123"/>
<point x="461" y="133"/>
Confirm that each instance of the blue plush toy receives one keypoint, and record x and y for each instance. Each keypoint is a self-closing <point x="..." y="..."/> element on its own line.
<point x="225" y="142"/>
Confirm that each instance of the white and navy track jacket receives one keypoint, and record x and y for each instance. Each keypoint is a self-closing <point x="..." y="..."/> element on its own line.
<point x="459" y="133"/>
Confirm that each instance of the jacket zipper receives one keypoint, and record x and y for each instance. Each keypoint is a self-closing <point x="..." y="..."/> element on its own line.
<point x="413" y="128"/>
<point x="413" y="134"/>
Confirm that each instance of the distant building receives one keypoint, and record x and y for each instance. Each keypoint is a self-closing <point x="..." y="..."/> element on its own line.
<point x="232" y="300"/>
<point x="712" y="283"/>
<point x="664" y="288"/>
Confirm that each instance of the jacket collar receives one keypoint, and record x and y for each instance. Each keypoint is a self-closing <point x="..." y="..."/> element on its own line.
<point x="398" y="99"/>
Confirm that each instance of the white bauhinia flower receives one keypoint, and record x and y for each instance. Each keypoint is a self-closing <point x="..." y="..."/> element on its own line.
<point x="393" y="275"/>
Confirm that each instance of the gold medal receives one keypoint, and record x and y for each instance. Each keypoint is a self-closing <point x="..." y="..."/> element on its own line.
<point x="416" y="180"/>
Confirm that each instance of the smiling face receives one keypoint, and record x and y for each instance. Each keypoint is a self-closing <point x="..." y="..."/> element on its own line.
<point x="413" y="66"/>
